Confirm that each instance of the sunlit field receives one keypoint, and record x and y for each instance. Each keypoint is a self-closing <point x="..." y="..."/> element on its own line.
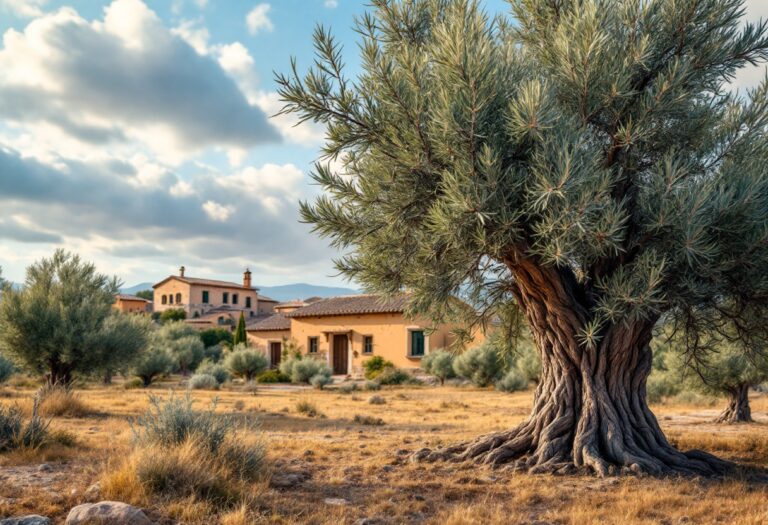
<point x="332" y="467"/>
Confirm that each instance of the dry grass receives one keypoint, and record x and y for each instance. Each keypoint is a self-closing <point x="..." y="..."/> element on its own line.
<point x="367" y="465"/>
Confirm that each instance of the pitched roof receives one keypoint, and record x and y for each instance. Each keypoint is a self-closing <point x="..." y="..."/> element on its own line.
<point x="128" y="297"/>
<point x="296" y="303"/>
<point x="271" y="323"/>
<point x="352" y="304"/>
<point x="267" y="299"/>
<point x="204" y="282"/>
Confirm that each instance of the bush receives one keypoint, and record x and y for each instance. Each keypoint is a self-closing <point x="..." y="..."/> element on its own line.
<point x="377" y="400"/>
<point x="213" y="353"/>
<point x="513" y="381"/>
<point x="481" y="365"/>
<point x="319" y="381"/>
<point x="528" y="362"/>
<point x="171" y="422"/>
<point x="6" y="369"/>
<point x="155" y="362"/>
<point x="203" y="382"/>
<point x="172" y="315"/>
<point x="213" y="337"/>
<point x="307" y="408"/>
<point x="395" y="376"/>
<point x="246" y="363"/>
<point x="348" y="388"/>
<point x="15" y="433"/>
<point x="375" y="366"/>
<point x="368" y="420"/>
<point x="661" y="385"/>
<point x="218" y="371"/>
<point x="183" y="344"/>
<point x="439" y="364"/>
<point x="272" y="376"/>
<point x="133" y="383"/>
<point x="303" y="370"/>
<point x="60" y="401"/>
<point x="371" y="386"/>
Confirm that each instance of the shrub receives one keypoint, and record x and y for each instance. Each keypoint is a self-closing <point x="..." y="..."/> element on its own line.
<point x="375" y="366"/>
<point x="371" y="386"/>
<point x="481" y="365"/>
<point x="135" y="382"/>
<point x="513" y="381"/>
<point x="439" y="364"/>
<point x="272" y="376"/>
<point x="528" y="362"/>
<point x="203" y="382"/>
<point x="348" y="388"/>
<point x="172" y="421"/>
<point x="60" y="401"/>
<point x="377" y="400"/>
<point x="395" y="376"/>
<point x="661" y="385"/>
<point x="183" y="344"/>
<point x="215" y="336"/>
<point x="307" y="408"/>
<point x="245" y="363"/>
<point x="213" y="353"/>
<point x="303" y="370"/>
<point x="368" y="420"/>
<point x="15" y="433"/>
<point x="320" y="380"/>
<point x="172" y="315"/>
<point x="6" y="369"/>
<point x="216" y="370"/>
<point x="155" y="362"/>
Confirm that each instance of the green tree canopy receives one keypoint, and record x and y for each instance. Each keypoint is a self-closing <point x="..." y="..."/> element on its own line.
<point x="183" y="344"/>
<point x="586" y="159"/>
<point x="62" y="323"/>
<point x="240" y="336"/>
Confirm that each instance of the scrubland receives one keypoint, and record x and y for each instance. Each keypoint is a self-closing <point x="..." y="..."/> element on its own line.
<point x="332" y="457"/>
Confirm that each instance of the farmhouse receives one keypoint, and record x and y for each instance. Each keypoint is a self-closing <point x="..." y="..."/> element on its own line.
<point x="209" y="302"/>
<point x="345" y="331"/>
<point x="131" y="304"/>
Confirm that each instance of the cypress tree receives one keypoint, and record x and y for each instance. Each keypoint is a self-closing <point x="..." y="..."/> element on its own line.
<point x="240" y="335"/>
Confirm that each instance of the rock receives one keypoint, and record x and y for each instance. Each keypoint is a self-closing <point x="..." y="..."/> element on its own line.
<point x="107" y="513"/>
<point x="335" y="501"/>
<point x="32" y="519"/>
<point x="45" y="467"/>
<point x="92" y="493"/>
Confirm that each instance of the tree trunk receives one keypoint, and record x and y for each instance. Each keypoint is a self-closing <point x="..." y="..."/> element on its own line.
<point x="59" y="374"/>
<point x="737" y="410"/>
<point x="589" y="409"/>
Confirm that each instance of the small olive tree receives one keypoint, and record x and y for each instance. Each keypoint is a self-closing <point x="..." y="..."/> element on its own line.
<point x="439" y="364"/>
<point x="152" y="363"/>
<point x="245" y="363"/>
<point x="183" y="343"/>
<point x="61" y="322"/>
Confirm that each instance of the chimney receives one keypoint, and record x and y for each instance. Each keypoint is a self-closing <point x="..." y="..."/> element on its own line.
<point x="247" y="278"/>
<point x="181" y="271"/>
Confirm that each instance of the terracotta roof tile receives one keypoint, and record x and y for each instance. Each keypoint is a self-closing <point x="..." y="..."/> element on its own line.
<point x="273" y="322"/>
<point x="205" y="282"/>
<point x="128" y="297"/>
<point x="352" y="304"/>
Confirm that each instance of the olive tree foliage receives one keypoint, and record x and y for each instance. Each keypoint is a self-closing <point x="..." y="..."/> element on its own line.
<point x="61" y="322"/>
<point x="183" y="344"/>
<point x="588" y="162"/>
<point x="246" y="363"/>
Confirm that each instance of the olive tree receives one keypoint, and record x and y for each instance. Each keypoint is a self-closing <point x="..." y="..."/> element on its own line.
<point x="183" y="344"/>
<point x="585" y="159"/>
<point x="61" y="322"/>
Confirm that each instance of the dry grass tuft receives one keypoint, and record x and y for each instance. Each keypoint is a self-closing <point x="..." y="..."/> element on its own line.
<point x="59" y="401"/>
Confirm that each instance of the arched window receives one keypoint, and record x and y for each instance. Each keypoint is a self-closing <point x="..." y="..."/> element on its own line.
<point x="178" y="298"/>
<point x="170" y="299"/>
<point x="165" y="299"/>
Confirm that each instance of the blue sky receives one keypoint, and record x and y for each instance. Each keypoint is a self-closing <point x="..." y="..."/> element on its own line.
<point x="136" y="133"/>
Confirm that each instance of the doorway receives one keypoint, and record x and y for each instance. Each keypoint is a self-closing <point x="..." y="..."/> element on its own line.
<point x="275" y="353"/>
<point x="340" y="354"/>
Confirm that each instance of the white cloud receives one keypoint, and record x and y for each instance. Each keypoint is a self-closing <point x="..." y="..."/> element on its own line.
<point x="23" y="8"/>
<point x="331" y="4"/>
<point x="195" y="34"/>
<point x="218" y="212"/>
<point x="182" y="189"/>
<point x="258" y="19"/>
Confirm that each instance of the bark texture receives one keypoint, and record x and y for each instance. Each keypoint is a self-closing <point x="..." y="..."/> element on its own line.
<point x="737" y="410"/>
<point x="589" y="410"/>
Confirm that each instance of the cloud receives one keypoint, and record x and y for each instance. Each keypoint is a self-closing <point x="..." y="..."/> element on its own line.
<point x="125" y="77"/>
<point x="257" y="19"/>
<point x="21" y="229"/>
<point x="331" y="4"/>
<point x="217" y="212"/>
<point x="23" y="8"/>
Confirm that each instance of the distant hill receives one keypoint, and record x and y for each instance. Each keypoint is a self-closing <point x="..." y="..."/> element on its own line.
<point x="284" y="292"/>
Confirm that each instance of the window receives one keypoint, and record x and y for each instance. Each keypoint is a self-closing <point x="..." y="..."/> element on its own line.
<point x="164" y="299"/>
<point x="312" y="345"/>
<point x="247" y="302"/>
<point x="235" y="298"/>
<point x="368" y="344"/>
<point x="417" y="343"/>
<point x="225" y="297"/>
<point x="178" y="298"/>
<point x="205" y="297"/>
<point x="170" y="299"/>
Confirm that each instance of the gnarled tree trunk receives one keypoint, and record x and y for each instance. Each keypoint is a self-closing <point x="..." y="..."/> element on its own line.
<point x="589" y="409"/>
<point x="737" y="410"/>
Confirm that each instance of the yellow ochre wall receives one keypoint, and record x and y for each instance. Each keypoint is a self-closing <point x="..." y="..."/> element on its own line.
<point x="130" y="306"/>
<point x="261" y="339"/>
<point x="171" y="287"/>
<point x="390" y="337"/>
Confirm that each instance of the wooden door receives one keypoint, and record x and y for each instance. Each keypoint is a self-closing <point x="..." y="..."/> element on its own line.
<point x="275" y="353"/>
<point x="340" y="354"/>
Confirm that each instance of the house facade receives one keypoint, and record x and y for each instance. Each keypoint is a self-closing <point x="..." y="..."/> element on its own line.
<point x="208" y="302"/>
<point x="346" y="331"/>
<point x="131" y="304"/>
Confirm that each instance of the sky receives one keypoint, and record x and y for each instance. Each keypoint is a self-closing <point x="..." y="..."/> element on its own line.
<point x="138" y="134"/>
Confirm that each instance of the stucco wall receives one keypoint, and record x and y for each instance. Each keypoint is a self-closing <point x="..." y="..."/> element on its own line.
<point x="261" y="340"/>
<point x="390" y="337"/>
<point x="168" y="288"/>
<point x="130" y="306"/>
<point x="192" y="297"/>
